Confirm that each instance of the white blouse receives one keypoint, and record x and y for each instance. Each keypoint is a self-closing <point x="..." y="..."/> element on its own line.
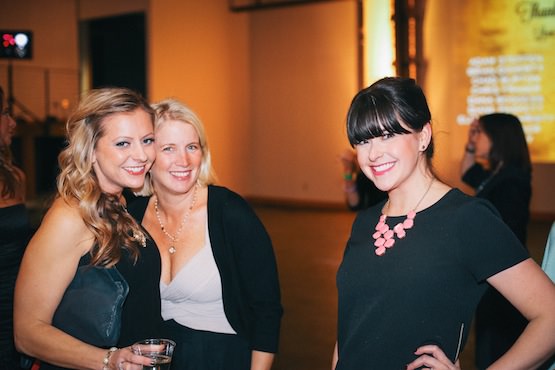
<point x="194" y="297"/>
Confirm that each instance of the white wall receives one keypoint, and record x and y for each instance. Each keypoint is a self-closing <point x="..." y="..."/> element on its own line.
<point x="199" y="53"/>
<point x="303" y="76"/>
<point x="271" y="86"/>
<point x="442" y="88"/>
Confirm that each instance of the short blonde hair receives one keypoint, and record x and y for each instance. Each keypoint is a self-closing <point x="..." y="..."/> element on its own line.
<point x="173" y="109"/>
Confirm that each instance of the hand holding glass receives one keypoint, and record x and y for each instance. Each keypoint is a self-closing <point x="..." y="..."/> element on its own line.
<point x="159" y="350"/>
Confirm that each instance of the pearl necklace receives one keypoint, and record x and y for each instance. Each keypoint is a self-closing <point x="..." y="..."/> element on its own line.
<point x="174" y="238"/>
<point x="385" y="237"/>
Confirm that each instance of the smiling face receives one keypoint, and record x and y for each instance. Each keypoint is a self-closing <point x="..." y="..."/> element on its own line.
<point x="389" y="123"/>
<point x="125" y="152"/>
<point x="391" y="161"/>
<point x="178" y="157"/>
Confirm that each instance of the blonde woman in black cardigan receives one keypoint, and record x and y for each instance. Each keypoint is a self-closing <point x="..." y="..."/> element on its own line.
<point x="219" y="286"/>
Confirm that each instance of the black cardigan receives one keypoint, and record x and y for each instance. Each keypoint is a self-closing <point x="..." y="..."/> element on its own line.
<point x="246" y="262"/>
<point x="245" y="258"/>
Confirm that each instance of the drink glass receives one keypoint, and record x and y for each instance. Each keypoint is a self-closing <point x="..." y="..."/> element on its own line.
<point x="159" y="350"/>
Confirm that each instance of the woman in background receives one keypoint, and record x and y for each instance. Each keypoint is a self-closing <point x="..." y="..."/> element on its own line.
<point x="15" y="230"/>
<point x="496" y="164"/>
<point x="360" y="192"/>
<point x="219" y="287"/>
<point x="110" y="148"/>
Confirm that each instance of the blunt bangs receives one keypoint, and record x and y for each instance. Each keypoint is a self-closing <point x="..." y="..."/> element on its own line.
<point x="372" y="116"/>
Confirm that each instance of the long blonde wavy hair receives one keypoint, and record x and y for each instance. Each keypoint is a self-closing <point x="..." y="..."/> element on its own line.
<point x="113" y="228"/>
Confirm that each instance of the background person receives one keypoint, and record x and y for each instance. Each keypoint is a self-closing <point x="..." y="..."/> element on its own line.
<point x="360" y="192"/>
<point x="220" y="289"/>
<point x="15" y="231"/>
<point x="416" y="265"/>
<point x="110" y="147"/>
<point x="496" y="164"/>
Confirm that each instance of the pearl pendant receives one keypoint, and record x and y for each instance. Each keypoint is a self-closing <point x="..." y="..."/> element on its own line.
<point x="172" y="249"/>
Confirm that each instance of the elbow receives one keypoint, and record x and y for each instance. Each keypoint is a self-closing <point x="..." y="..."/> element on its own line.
<point x="23" y="338"/>
<point x="19" y="342"/>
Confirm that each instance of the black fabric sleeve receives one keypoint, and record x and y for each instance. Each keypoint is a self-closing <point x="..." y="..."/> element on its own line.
<point x="255" y="266"/>
<point x="485" y="244"/>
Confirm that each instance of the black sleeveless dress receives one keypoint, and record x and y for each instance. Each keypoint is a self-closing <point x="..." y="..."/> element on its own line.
<point x="141" y="315"/>
<point x="15" y="231"/>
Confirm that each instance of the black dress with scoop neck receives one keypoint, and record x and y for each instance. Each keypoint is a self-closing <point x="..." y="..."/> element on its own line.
<point x="15" y="231"/>
<point x="141" y="315"/>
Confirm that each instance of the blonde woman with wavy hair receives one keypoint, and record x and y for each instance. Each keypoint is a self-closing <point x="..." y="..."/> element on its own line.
<point x="110" y="147"/>
<point x="219" y="282"/>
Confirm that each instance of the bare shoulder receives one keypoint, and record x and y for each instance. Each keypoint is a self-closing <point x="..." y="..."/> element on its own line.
<point x="441" y="188"/>
<point x="437" y="191"/>
<point x="50" y="262"/>
<point x="63" y="229"/>
<point x="62" y="208"/>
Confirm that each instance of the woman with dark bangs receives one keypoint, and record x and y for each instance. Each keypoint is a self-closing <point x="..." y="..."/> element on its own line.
<point x="417" y="264"/>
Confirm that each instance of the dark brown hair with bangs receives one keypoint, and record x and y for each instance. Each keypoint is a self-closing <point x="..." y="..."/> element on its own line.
<point x="381" y="107"/>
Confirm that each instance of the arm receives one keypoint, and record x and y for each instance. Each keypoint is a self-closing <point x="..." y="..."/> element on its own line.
<point x="261" y="360"/>
<point x="48" y="266"/>
<point x="531" y="291"/>
<point x="468" y="159"/>
<point x="527" y="287"/>
<point x="335" y="357"/>
<point x="351" y="194"/>
<point x="348" y="161"/>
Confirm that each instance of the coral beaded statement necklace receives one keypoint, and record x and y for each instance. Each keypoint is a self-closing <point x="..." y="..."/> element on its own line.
<point x="384" y="236"/>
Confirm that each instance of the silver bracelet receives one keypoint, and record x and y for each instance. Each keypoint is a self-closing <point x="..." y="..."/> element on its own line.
<point x="107" y="358"/>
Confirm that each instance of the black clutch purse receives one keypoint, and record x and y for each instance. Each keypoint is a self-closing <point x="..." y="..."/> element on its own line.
<point x="90" y="309"/>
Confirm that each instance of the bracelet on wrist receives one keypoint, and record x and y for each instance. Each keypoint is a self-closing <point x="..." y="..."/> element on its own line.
<point x="107" y="356"/>
<point x="348" y="176"/>
<point x="470" y="149"/>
